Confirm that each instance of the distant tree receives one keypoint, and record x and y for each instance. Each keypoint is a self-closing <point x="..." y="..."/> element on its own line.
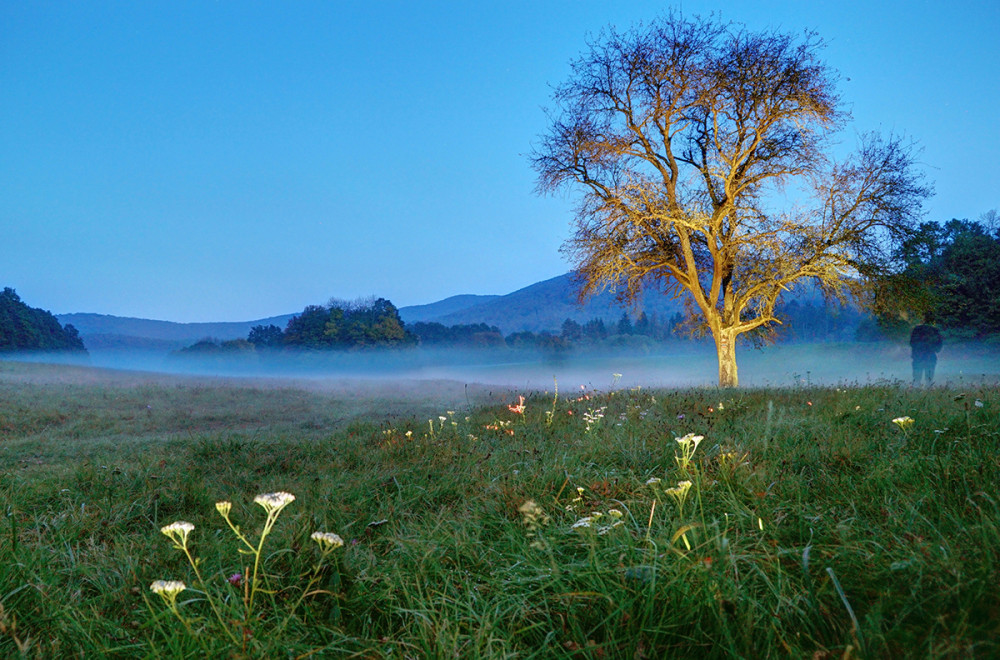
<point x="336" y="329"/>
<point x="679" y="132"/>
<point x="308" y="329"/>
<point x="431" y="333"/>
<point x="238" y="346"/>
<point x="231" y="351"/>
<point x="991" y="222"/>
<point x="550" y="343"/>
<point x="624" y="326"/>
<point x="206" y="346"/>
<point x="265" y="336"/>
<point x="594" y="330"/>
<point x="388" y="328"/>
<point x="675" y="324"/>
<point x="475" y="335"/>
<point x="489" y="339"/>
<point x="522" y="340"/>
<point x="571" y="331"/>
<point x="643" y="326"/>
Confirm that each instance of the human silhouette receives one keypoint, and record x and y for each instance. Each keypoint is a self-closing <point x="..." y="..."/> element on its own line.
<point x="925" y="342"/>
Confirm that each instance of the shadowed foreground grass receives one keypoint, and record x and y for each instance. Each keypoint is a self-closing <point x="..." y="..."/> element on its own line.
<point x="813" y="526"/>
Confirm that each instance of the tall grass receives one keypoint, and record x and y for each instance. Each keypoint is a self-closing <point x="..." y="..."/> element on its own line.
<point x="813" y="526"/>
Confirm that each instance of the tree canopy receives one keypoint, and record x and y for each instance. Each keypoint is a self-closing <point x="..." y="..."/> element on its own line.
<point x="957" y="266"/>
<point x="683" y="136"/>
<point x="341" y="325"/>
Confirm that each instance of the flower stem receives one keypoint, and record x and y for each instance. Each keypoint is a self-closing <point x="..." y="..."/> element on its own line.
<point x="208" y="596"/>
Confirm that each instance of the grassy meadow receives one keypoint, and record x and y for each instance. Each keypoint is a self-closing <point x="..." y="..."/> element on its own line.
<point x="805" y="523"/>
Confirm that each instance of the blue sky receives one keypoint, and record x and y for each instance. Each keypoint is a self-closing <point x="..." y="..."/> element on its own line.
<point x="222" y="161"/>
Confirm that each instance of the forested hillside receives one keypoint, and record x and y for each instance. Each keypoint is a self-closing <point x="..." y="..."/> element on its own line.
<point x="24" y="328"/>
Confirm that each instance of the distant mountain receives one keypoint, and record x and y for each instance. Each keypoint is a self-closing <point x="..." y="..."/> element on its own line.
<point x="102" y="331"/>
<point x="541" y="306"/>
<point x="436" y="310"/>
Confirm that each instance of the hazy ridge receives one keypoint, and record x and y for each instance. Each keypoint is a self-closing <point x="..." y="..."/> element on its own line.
<point x="122" y="331"/>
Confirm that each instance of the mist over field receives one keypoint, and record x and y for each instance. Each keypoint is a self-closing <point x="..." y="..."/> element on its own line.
<point x="692" y="365"/>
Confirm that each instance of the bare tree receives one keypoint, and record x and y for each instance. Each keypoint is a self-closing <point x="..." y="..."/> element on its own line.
<point x="686" y="138"/>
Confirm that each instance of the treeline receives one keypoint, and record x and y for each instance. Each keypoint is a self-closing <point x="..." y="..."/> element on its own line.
<point x="375" y="324"/>
<point x="338" y="325"/>
<point x="803" y="321"/>
<point x="644" y="331"/>
<point x="24" y="328"/>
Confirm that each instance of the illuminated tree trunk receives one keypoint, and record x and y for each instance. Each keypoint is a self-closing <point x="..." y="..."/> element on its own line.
<point x="725" y="346"/>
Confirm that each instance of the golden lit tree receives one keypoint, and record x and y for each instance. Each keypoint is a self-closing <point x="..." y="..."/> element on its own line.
<point x="704" y="157"/>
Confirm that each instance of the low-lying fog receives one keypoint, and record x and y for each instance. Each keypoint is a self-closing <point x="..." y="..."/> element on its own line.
<point x="692" y="365"/>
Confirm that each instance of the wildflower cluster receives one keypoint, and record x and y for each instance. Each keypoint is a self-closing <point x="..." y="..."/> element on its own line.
<point x="273" y="503"/>
<point x="328" y="541"/>
<point x="596" y="522"/>
<point x="679" y="493"/>
<point x="688" y="444"/>
<point x="179" y="534"/>
<point x="534" y="518"/>
<point x="904" y="422"/>
<point x="579" y="498"/>
<point x="592" y="417"/>
<point x="502" y="426"/>
<point x="168" y="590"/>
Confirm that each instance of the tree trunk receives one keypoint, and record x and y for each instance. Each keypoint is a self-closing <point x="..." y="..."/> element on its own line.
<point x="725" y="346"/>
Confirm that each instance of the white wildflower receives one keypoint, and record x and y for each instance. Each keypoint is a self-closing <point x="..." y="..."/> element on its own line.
<point x="168" y="590"/>
<point x="327" y="540"/>
<point x="178" y="532"/>
<point x="274" y="502"/>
